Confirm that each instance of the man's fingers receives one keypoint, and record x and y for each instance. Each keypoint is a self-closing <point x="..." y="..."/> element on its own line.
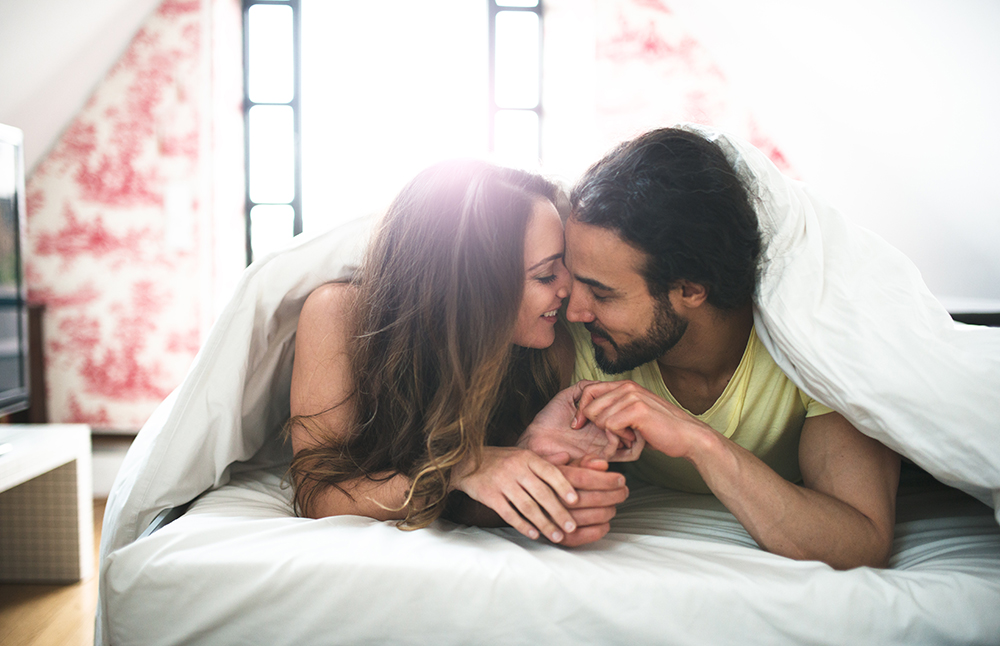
<point x="586" y="478"/>
<point x="594" y="462"/>
<point x="593" y="515"/>
<point x="593" y="390"/>
<point x="597" y="498"/>
<point x="585" y="535"/>
<point x="597" y="403"/>
<point x="557" y="459"/>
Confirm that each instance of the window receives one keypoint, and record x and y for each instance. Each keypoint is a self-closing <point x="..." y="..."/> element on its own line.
<point x="379" y="91"/>
<point x="515" y="74"/>
<point x="272" y="117"/>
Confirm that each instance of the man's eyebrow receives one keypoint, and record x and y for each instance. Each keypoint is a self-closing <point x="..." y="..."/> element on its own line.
<point x="594" y="283"/>
<point x="545" y="260"/>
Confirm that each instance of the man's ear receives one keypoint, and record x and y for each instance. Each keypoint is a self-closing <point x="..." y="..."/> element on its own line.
<point x="692" y="294"/>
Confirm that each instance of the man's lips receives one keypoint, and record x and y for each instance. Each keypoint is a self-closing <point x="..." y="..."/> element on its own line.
<point x="599" y="335"/>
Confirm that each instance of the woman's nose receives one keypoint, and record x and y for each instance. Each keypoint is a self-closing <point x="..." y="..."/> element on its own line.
<point x="564" y="288"/>
<point x="565" y="282"/>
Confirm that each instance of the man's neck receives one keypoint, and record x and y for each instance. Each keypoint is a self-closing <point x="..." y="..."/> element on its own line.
<point x="698" y="368"/>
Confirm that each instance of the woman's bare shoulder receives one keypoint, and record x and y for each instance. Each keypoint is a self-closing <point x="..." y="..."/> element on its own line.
<point x="327" y="310"/>
<point x="321" y="370"/>
<point x="330" y="299"/>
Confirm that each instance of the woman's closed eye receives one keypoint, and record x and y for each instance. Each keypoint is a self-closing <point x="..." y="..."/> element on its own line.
<point x="545" y="280"/>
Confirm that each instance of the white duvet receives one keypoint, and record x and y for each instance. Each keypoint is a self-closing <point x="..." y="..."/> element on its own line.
<point x="841" y="311"/>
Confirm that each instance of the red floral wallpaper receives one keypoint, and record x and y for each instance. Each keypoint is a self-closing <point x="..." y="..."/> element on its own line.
<point x="652" y="72"/>
<point x="123" y="234"/>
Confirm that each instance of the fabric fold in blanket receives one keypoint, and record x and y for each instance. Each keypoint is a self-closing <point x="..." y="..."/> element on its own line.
<point x="849" y="319"/>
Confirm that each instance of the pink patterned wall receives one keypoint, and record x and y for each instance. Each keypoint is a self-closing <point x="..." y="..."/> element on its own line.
<point x="132" y="240"/>
<point x="652" y="72"/>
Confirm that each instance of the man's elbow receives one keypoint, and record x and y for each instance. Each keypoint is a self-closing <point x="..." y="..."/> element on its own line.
<point x="874" y="553"/>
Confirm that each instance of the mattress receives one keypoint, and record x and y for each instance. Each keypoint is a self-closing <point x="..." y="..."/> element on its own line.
<point x="676" y="568"/>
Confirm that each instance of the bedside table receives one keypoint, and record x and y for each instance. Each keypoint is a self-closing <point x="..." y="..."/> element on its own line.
<point x="46" y="505"/>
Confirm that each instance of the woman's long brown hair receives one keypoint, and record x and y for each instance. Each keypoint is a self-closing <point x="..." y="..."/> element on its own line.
<point x="436" y="374"/>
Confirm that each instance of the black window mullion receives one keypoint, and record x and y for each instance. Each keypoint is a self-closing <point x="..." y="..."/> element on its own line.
<point x="494" y="9"/>
<point x="295" y="104"/>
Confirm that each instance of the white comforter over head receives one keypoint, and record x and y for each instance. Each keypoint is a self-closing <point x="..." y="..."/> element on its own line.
<point x="842" y="312"/>
<point x="848" y="318"/>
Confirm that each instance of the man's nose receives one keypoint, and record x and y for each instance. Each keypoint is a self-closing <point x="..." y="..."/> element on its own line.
<point x="577" y="309"/>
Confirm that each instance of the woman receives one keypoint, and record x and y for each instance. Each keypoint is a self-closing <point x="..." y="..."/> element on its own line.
<point x="414" y="379"/>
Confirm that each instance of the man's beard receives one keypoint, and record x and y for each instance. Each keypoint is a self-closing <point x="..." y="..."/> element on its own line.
<point x="665" y="331"/>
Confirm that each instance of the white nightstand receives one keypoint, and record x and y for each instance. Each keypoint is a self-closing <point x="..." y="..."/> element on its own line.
<point x="46" y="505"/>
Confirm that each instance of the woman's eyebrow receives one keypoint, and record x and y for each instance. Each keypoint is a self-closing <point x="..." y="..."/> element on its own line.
<point x="545" y="260"/>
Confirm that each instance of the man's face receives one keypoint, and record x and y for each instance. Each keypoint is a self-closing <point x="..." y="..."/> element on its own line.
<point x="628" y="326"/>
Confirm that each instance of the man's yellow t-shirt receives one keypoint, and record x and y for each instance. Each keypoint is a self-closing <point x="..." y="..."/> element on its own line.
<point x="760" y="409"/>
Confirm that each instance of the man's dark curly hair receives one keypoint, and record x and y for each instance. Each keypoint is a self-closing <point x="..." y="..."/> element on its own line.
<point x="673" y="195"/>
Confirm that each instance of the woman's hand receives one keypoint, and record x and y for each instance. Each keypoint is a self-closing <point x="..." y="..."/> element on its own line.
<point x="527" y="491"/>
<point x="552" y="432"/>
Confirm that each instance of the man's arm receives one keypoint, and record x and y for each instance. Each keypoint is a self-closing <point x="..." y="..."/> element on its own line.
<point x="842" y="514"/>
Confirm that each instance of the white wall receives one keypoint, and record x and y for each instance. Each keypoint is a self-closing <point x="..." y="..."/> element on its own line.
<point x="889" y="108"/>
<point x="886" y="107"/>
<point x="52" y="55"/>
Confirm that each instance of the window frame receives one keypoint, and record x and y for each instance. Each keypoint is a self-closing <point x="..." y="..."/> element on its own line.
<point x="294" y="104"/>
<point x="495" y="9"/>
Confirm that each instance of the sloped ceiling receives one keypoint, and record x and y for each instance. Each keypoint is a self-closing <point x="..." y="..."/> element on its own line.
<point x="53" y="53"/>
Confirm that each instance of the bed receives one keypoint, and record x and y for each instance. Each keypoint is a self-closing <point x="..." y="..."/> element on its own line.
<point x="235" y="566"/>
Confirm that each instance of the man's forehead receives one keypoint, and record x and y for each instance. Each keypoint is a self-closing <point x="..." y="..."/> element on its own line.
<point x="600" y="255"/>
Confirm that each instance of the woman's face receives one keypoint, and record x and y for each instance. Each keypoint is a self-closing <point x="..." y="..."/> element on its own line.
<point x="547" y="282"/>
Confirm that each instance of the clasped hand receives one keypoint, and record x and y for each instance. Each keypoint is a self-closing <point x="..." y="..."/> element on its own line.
<point x="570" y="504"/>
<point x="555" y="482"/>
<point x="561" y="428"/>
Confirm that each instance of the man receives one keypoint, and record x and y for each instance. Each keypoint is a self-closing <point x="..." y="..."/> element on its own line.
<point x="663" y="246"/>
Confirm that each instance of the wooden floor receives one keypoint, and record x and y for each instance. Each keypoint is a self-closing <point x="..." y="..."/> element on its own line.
<point x="51" y="615"/>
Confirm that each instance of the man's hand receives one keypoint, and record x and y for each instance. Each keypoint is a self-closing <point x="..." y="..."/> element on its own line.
<point x="620" y="406"/>
<point x="552" y="433"/>
<point x="842" y="514"/>
<point x="600" y="492"/>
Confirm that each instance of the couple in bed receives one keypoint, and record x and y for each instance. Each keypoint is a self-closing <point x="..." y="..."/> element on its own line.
<point x="486" y="362"/>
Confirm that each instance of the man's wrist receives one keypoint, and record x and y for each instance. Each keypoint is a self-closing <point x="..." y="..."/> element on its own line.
<point x="707" y="446"/>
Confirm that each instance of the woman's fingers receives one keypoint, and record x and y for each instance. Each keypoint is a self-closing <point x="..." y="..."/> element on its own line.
<point x="533" y="513"/>
<point x="546" y="486"/>
<point x="553" y="476"/>
<point x="510" y="516"/>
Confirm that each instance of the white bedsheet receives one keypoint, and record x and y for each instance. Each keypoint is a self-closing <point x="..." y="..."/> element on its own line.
<point x="924" y="386"/>
<point x="675" y="569"/>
